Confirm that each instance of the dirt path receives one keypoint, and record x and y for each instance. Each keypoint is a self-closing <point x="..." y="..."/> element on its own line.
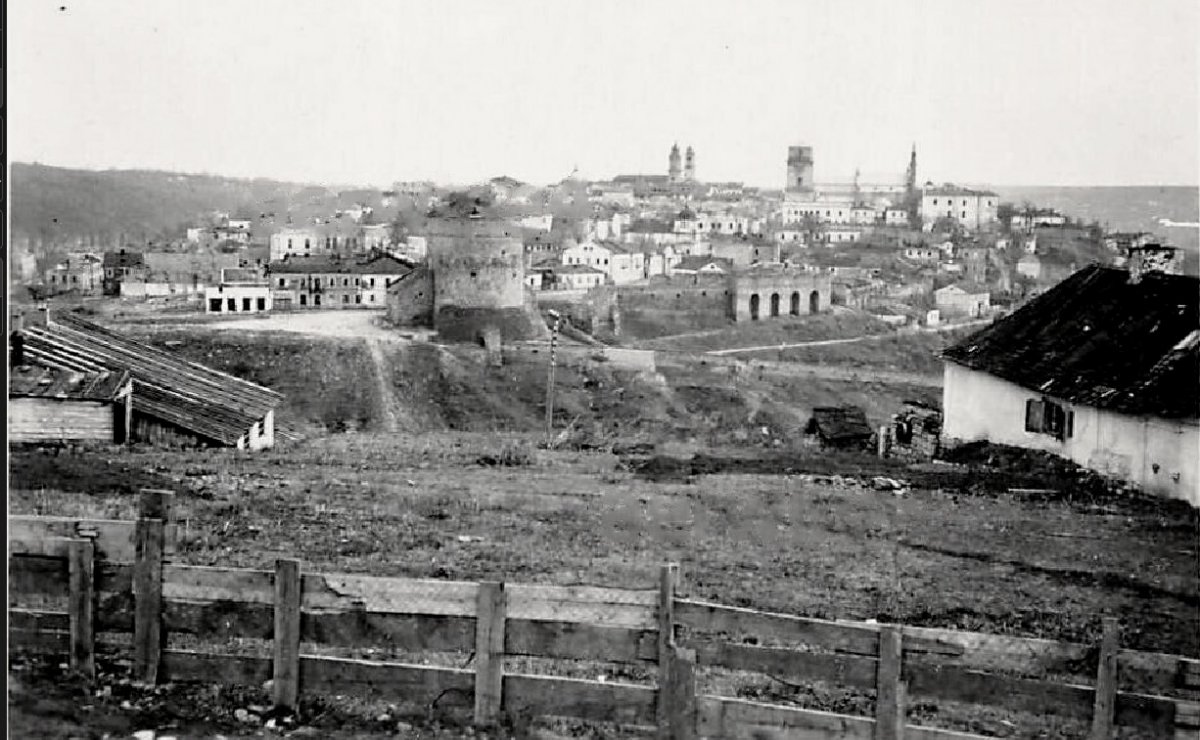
<point x="850" y="340"/>
<point x="387" y="394"/>
<point x="332" y="323"/>
<point x="834" y="372"/>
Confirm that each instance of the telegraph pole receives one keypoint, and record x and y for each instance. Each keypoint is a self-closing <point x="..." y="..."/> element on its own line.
<point x="550" y="378"/>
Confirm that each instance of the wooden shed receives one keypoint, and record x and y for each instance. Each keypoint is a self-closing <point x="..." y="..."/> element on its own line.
<point x="48" y="405"/>
<point x="840" y="426"/>
<point x="175" y="402"/>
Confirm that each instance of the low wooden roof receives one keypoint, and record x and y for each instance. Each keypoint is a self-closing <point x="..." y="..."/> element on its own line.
<point x="196" y="398"/>
<point x="32" y="381"/>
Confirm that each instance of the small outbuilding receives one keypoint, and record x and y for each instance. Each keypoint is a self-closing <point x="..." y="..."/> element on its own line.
<point x="840" y="426"/>
<point x="49" y="405"/>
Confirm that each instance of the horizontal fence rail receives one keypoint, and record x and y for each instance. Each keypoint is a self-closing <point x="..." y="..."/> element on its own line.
<point x="115" y="576"/>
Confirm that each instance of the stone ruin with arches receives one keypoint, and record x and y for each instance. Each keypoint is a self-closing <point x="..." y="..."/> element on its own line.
<point x="760" y="294"/>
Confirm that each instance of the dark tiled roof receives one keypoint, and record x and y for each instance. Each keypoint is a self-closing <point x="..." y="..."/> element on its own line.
<point x="123" y="259"/>
<point x="383" y="265"/>
<point x="839" y="424"/>
<point x="203" y="401"/>
<point x="31" y="381"/>
<point x="1096" y="339"/>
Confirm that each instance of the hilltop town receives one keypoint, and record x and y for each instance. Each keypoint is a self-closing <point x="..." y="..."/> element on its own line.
<point x="842" y="405"/>
<point x="912" y="251"/>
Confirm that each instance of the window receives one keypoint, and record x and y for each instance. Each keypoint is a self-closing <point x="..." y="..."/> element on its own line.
<point x="1047" y="417"/>
<point x="307" y="245"/>
<point x="316" y="300"/>
<point x="245" y="304"/>
<point x="372" y="282"/>
<point x="345" y="299"/>
<point x="214" y="305"/>
<point x="935" y="201"/>
<point x="358" y="298"/>
<point x="282" y="282"/>
<point x="262" y="304"/>
<point x="232" y="304"/>
<point x="371" y="298"/>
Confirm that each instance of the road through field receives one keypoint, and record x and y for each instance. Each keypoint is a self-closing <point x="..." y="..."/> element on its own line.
<point x="849" y="340"/>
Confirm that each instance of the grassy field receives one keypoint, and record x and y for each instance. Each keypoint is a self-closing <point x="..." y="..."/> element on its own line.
<point x="914" y="353"/>
<point x="954" y="551"/>
<point x="782" y="330"/>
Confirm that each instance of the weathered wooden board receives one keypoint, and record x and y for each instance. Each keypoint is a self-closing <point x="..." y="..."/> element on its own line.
<point x="39" y="641"/>
<point x="783" y="663"/>
<point x="114" y="539"/>
<point x="38" y="619"/>
<point x="589" y="700"/>
<point x="32" y="574"/>
<point x="1137" y="670"/>
<point x="238" y="670"/>
<point x="857" y="639"/>
<point x="416" y="683"/>
<point x="747" y="720"/>
<point x="342" y="592"/>
<point x="577" y="641"/>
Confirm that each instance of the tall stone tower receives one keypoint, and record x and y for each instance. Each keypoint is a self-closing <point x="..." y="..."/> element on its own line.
<point x="910" y="177"/>
<point x="673" y="168"/>
<point x="689" y="165"/>
<point x="478" y="267"/>
<point x="800" y="169"/>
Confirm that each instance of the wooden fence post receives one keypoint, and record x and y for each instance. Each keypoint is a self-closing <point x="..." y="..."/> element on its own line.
<point x="286" y="637"/>
<point x="1106" y="682"/>
<point x="147" y="598"/>
<point x="890" y="709"/>
<point x="1187" y="720"/>
<point x="156" y="503"/>
<point x="81" y="609"/>
<point x="675" y="711"/>
<point x="490" y="609"/>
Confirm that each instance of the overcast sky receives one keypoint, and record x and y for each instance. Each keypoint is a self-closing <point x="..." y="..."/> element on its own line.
<point x="1069" y="92"/>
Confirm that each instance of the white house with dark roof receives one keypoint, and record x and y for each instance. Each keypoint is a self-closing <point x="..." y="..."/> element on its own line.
<point x="1101" y="369"/>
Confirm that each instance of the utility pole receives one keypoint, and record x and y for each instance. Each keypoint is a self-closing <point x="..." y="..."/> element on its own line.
<point x="550" y="378"/>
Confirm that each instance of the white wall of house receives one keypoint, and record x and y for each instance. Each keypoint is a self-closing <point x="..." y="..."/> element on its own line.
<point x="980" y="406"/>
<point x="626" y="267"/>
<point x="238" y="299"/>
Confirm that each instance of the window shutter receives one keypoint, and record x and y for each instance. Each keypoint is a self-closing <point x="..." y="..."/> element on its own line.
<point x="1033" y="415"/>
<point x="1070" y="424"/>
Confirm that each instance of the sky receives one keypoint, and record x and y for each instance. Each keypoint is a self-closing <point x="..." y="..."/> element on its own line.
<point x="1070" y="92"/>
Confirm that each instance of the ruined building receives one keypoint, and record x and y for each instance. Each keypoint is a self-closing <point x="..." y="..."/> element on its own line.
<point x="473" y="284"/>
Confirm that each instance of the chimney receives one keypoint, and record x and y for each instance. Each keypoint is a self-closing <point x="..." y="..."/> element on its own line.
<point x="1150" y="258"/>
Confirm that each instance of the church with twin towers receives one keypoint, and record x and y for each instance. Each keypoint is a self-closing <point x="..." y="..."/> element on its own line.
<point x="676" y="174"/>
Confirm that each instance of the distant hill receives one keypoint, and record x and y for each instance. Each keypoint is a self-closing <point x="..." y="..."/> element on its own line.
<point x="55" y="208"/>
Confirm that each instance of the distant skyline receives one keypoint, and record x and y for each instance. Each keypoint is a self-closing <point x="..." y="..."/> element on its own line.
<point x="1077" y="92"/>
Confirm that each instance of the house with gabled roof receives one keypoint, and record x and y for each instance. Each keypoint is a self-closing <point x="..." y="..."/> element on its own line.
<point x="1101" y="369"/>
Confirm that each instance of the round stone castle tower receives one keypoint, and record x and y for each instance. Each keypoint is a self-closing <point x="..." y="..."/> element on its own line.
<point x="478" y="267"/>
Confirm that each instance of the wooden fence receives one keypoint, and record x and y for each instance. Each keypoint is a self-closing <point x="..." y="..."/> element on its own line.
<point x="117" y="576"/>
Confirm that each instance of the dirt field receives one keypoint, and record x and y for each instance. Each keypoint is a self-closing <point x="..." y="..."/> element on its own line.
<point x="396" y="474"/>
<point x="792" y="532"/>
